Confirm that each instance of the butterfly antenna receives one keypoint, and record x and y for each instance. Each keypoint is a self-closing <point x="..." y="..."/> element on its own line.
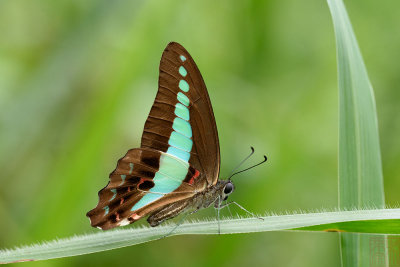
<point x="265" y="159"/>
<point x="243" y="161"/>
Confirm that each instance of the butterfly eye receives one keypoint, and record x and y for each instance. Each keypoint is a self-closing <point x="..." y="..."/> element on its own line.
<point x="228" y="188"/>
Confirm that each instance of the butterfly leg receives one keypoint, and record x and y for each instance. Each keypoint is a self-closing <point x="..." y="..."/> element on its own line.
<point x="217" y="211"/>
<point x="176" y="226"/>
<point x="229" y="210"/>
<point x="179" y="223"/>
<point x="241" y="207"/>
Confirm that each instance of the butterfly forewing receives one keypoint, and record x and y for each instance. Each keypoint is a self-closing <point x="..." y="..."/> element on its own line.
<point x="182" y="93"/>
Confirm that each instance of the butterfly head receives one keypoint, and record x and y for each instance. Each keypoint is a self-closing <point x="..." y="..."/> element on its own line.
<point x="226" y="188"/>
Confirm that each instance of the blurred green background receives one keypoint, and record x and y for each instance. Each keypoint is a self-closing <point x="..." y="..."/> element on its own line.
<point x="77" y="80"/>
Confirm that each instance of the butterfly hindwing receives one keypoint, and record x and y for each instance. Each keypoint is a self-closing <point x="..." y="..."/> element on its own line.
<point x="139" y="185"/>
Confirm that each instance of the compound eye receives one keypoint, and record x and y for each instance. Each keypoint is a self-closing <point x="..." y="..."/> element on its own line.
<point x="228" y="188"/>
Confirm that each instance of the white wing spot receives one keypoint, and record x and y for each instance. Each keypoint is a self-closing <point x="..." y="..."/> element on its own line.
<point x="124" y="222"/>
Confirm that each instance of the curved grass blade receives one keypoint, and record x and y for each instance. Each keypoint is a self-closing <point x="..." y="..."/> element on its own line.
<point x="357" y="221"/>
<point x="360" y="167"/>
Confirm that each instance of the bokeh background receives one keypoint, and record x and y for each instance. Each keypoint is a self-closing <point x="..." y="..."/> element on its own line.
<point x="77" y="80"/>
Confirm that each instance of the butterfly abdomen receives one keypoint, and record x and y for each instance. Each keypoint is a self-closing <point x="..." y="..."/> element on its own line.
<point x="168" y="212"/>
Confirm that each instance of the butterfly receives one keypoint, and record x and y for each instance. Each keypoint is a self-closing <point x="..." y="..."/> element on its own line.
<point x="177" y="166"/>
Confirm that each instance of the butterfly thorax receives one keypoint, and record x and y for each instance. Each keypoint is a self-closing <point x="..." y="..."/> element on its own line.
<point x="212" y="194"/>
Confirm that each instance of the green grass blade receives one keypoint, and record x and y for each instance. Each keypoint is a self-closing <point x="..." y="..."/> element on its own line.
<point x="367" y="226"/>
<point x="355" y="221"/>
<point x="360" y="167"/>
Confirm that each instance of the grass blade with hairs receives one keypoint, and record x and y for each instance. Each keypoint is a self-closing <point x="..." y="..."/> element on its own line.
<point x="362" y="221"/>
